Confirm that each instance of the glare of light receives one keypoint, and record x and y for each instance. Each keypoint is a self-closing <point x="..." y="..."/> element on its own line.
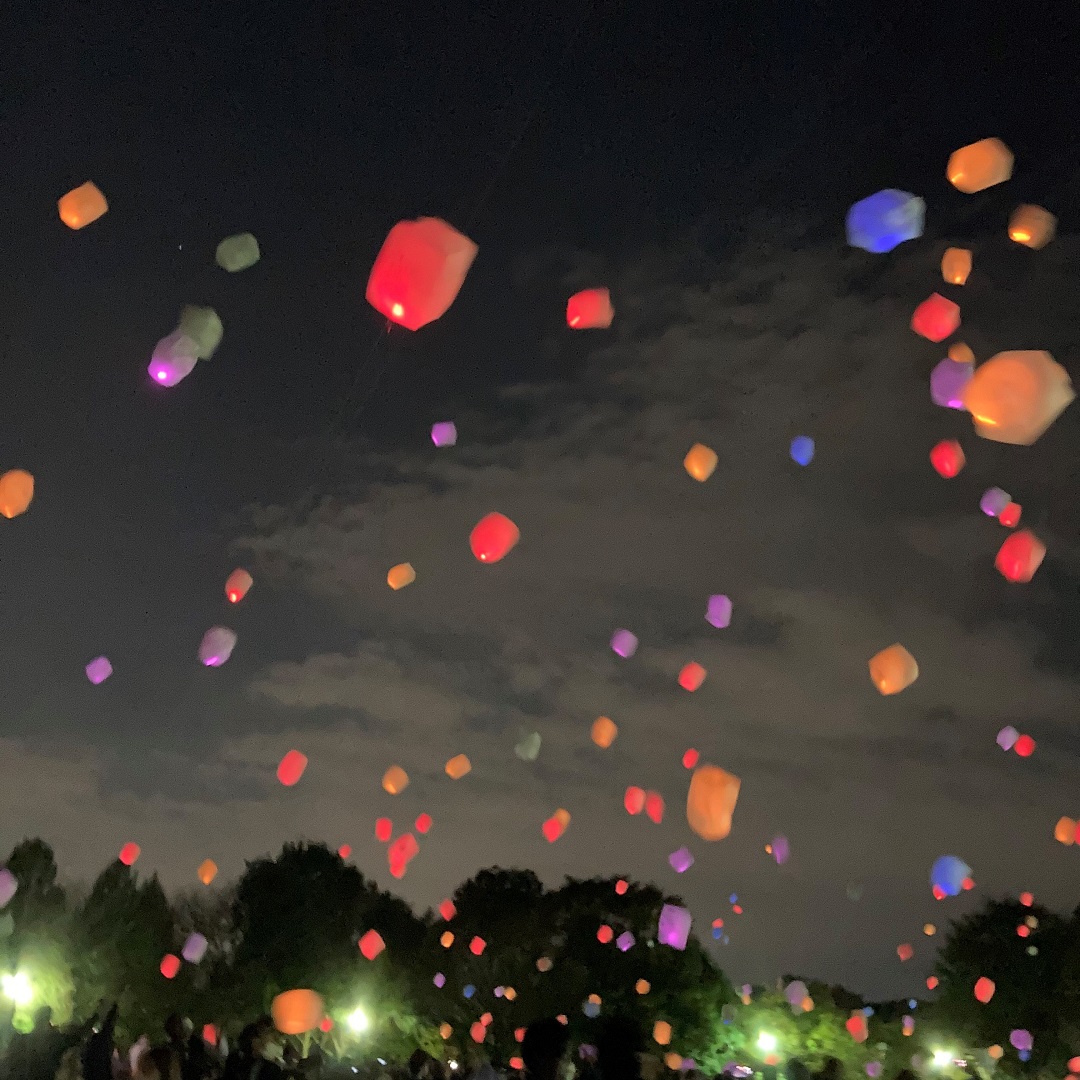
<point x="453" y="1065"/>
<point x="942" y="1058"/>
<point x="358" y="1021"/>
<point x="767" y="1042"/>
<point x="397" y="310"/>
<point x="17" y="988"/>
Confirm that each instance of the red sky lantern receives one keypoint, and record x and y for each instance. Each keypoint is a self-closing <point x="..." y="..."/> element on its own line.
<point x="690" y="759"/>
<point x="590" y="309"/>
<point x="170" y="965"/>
<point x="984" y="990"/>
<point x="1027" y="899"/>
<point x="905" y="952"/>
<point x="423" y="823"/>
<point x="237" y="585"/>
<point x="447" y="909"/>
<point x="326" y="1025"/>
<point x="654" y="807"/>
<point x="932" y="982"/>
<point x="384" y="829"/>
<point x="1024" y="746"/>
<point x="936" y="318"/>
<point x="419" y="271"/>
<point x="621" y="886"/>
<point x="947" y="458"/>
<point x="291" y="768"/>
<point x="634" y="800"/>
<point x="129" y="853"/>
<point x="209" y="1034"/>
<point x="344" y="851"/>
<point x="1020" y="556"/>
<point x="477" y="946"/>
<point x="371" y="944"/>
<point x="1010" y="516"/>
<point x="493" y="537"/>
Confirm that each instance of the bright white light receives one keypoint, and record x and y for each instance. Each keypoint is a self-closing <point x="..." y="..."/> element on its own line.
<point x="766" y="1042"/>
<point x="453" y="1065"/>
<point x="942" y="1058"/>
<point x="17" y="988"/>
<point x="358" y="1021"/>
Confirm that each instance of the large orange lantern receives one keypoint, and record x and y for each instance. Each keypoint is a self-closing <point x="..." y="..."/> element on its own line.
<point x="82" y="206"/>
<point x="700" y="461"/>
<point x="711" y="802"/>
<point x="893" y="669"/>
<point x="419" y="271"/>
<point x="1032" y="226"/>
<point x="979" y="165"/>
<point x="1015" y="396"/>
<point x="297" y="1011"/>
<point x="16" y="492"/>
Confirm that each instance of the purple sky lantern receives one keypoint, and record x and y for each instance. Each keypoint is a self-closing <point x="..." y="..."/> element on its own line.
<point x="444" y="433"/>
<point x="174" y="359"/>
<point x="718" y="613"/>
<point x="9" y="886"/>
<point x="681" y="860"/>
<point x="796" y="993"/>
<point x="781" y="849"/>
<point x="994" y="500"/>
<point x="97" y="671"/>
<point x="194" y="948"/>
<point x="947" y="382"/>
<point x="217" y="645"/>
<point x="673" y="927"/>
<point x="439" y="980"/>
<point x="1021" y="1039"/>
<point x="624" y="643"/>
<point x="1007" y="736"/>
<point x="625" y="941"/>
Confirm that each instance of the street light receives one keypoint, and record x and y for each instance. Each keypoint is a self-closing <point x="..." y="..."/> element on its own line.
<point x="17" y="988"/>
<point x="766" y="1042"/>
<point x="358" y="1021"/>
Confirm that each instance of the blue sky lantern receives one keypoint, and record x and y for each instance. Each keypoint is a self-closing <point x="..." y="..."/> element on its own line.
<point x="802" y="450"/>
<point x="591" y="1009"/>
<point x="912" y="1003"/>
<point x="469" y="990"/>
<point x="885" y="220"/>
<point x="948" y="874"/>
<point x="717" y="933"/>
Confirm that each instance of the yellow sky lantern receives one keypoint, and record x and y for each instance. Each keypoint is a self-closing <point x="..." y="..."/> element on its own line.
<point x="700" y="462"/>
<point x="1065" y="831"/>
<point x="1032" y="226"/>
<point x="16" y="492"/>
<point x="956" y="265"/>
<point x="401" y="575"/>
<point x="710" y="802"/>
<point x="661" y="1032"/>
<point x="395" y="780"/>
<point x="979" y="165"/>
<point x="208" y="871"/>
<point x="458" y="766"/>
<point x="82" y="206"/>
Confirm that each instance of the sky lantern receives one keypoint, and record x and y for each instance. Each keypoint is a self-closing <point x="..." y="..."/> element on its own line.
<point x="528" y="746"/>
<point x="634" y="800"/>
<point x="690" y="758"/>
<point x="956" y="265"/>
<point x="621" y="886"/>
<point x="893" y="669"/>
<point x="590" y="309"/>
<point x="291" y="767"/>
<point x="624" y="643"/>
<point x="961" y="353"/>
<point x="984" y="989"/>
<point x="400" y="853"/>
<point x="905" y="952"/>
<point x="932" y="982"/>
<point x="217" y="645"/>
<point x="82" y="206"/>
<point x="203" y="326"/>
<point x="446" y="939"/>
<point x="936" y="318"/>
<point x="1020" y="556"/>
<point x="395" y="780"/>
<point x="1024" y="746"/>
<point x="700" y="462"/>
<point x="856" y="1027"/>
<point x="654" y="806"/>
<point x="207" y="871"/>
<point x="419" y="271"/>
<point x="1015" y="396"/>
<point x="447" y="909"/>
<point x="947" y="457"/>
<point x="544" y="963"/>
<point x="625" y="941"/>
<point x="423" y="824"/>
<point x="130" y="853"/>
<point x="947" y="383"/>
<point x="173" y="360"/>
<point x="711" y="801"/>
<point x="477" y="1032"/>
<point x="445" y="1031"/>
<point x="884" y="220"/>
<point x="802" y="450"/>
<point x="493" y="537"/>
<point x="979" y="165"/>
<point x="16" y="492"/>
<point x="605" y="935"/>
<point x="681" y="860"/>
<point x="238" y="252"/>
<point x="718" y="611"/>
<point x="1065" y="831"/>
<point x="444" y="433"/>
<point x="642" y="987"/>
<point x="692" y="676"/>
<point x="170" y="966"/>
<point x="993" y="501"/>
<point x="948" y="874"/>
<point x="1010" y="515"/>
<point x="194" y="948"/>
<point x="237" y="585"/>
<point x="371" y="944"/>
<point x="555" y="825"/>
<point x="401" y="575"/>
<point x="661" y="1032"/>
<point x="929" y="929"/>
<point x="458" y="766"/>
<point x="477" y="946"/>
<point x="1032" y="226"/>
<point x="97" y="671"/>
<point x="604" y="732"/>
<point x="384" y="829"/>
<point x="296" y="1011"/>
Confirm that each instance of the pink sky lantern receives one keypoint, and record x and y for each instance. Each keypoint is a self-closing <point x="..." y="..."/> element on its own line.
<point x="718" y="612"/>
<point x="590" y="309"/>
<point x="692" y="676"/>
<point x="9" y="885"/>
<point x="936" y="318"/>
<point x="237" y="585"/>
<point x="493" y="537"/>
<point x="1020" y="1039"/>
<point x="97" y="671"/>
<point x="439" y="980"/>
<point x="993" y="501"/>
<point x="170" y="966"/>
<point x="673" y="927"/>
<point x="384" y="829"/>
<point x="130" y="853"/>
<point x="194" y="948"/>
<point x="781" y="850"/>
<point x="681" y="860"/>
<point x="174" y="359"/>
<point x="624" y="643"/>
<point x="217" y="645"/>
<point x="371" y="944"/>
<point x="291" y="767"/>
<point x="444" y="433"/>
<point x="419" y="271"/>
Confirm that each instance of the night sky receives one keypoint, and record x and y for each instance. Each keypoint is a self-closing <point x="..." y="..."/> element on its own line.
<point x="700" y="166"/>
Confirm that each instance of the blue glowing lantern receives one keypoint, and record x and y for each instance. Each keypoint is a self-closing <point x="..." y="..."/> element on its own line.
<point x="802" y="449"/>
<point x="948" y="874"/>
<point x="885" y="220"/>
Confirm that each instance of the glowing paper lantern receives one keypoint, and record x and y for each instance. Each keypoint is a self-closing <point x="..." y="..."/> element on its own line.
<point x="604" y="732"/>
<point x="700" y="462"/>
<point x="605" y="934"/>
<point x="445" y="1031"/>
<point x="1065" y="831"/>
<point x="82" y="206"/>
<point x="948" y="456"/>
<point x="802" y="450"/>
<point x="711" y="801"/>
<point x="692" y="676"/>
<point x="718" y="611"/>
<point x="173" y="360"/>
<point x="444" y="433"/>
<point x="194" y="948"/>
<point x="1020" y="556"/>
<point x="1015" y="396"/>
<point x="929" y="929"/>
<point x="401" y="575"/>
<point x="884" y="220"/>
<point x="395" y="780"/>
<point x="673" y="926"/>
<point x="856" y="1027"/>
<point x="661" y="1032"/>
<point x="590" y="309"/>
<point x="217" y="645"/>
<point x="170" y="965"/>
<point x="477" y="1032"/>
<point x="237" y="585"/>
<point x="642" y="987"/>
<point x="16" y="492"/>
<point x="493" y="537"/>
<point x="1010" y="516"/>
<point x="634" y="800"/>
<point x="555" y="826"/>
<point x="681" y="860"/>
<point x="1027" y="899"/>
<point x="371" y="944"/>
<point x="625" y="941"/>
<point x="1032" y="226"/>
<point x="979" y="165"/>
<point x="419" y="271"/>
<point x="384" y="829"/>
<point x="893" y="669"/>
<point x="423" y="824"/>
<point x="960" y="352"/>
<point x="1021" y="1039"/>
<point x="1024" y="746"/>
<point x="956" y="265"/>
<point x="984" y="989"/>
<point x="402" y="852"/>
<point x="129" y="853"/>
<point x="447" y="909"/>
<point x="948" y="874"/>
<point x="528" y="747"/>
<point x="908" y="1025"/>
<point x="543" y="964"/>
<point x="239" y="252"/>
<point x="202" y="326"/>
<point x="936" y="318"/>
<point x="477" y="946"/>
<point x="439" y="980"/>
<point x="97" y="671"/>
<point x="624" y="643"/>
<point x="932" y="982"/>
<point x="458" y="766"/>
<point x="781" y="850"/>
<point x="446" y="939"/>
<point x="291" y="767"/>
<point x="621" y="886"/>
<point x="993" y="501"/>
<point x="796" y="993"/>
<point x="905" y="952"/>
<point x="207" y="871"/>
<point x="9" y="885"/>
<point x="690" y="758"/>
<point x="296" y="1011"/>
<point x="654" y="806"/>
<point x="948" y="381"/>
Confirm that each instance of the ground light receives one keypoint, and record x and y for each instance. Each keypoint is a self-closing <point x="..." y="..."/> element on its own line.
<point x="942" y="1058"/>
<point x="358" y="1021"/>
<point x="766" y="1042"/>
<point x="17" y="988"/>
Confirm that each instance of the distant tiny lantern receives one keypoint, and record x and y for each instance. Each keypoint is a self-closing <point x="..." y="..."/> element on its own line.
<point x="446" y="939"/>
<point x="711" y="801"/>
<point x="624" y="643"/>
<point x="1024" y="746"/>
<point x="884" y="220"/>
<point x="493" y="537"/>
<point x="207" y="871"/>
<point x="419" y="271"/>
<point x="401" y="575"/>
<point x="384" y="829"/>
<point x="979" y="165"/>
<point x="217" y="645"/>
<point x="956" y="265"/>
<point x="673" y="927"/>
<point x="344" y="851"/>
<point x="893" y="669"/>
<point x="590" y="309"/>
<point x="423" y="824"/>
<point x="291" y="768"/>
<point x="634" y="800"/>
<point x="984" y="989"/>
<point x="555" y="826"/>
<point x="194" y="948"/>
<point x="82" y="206"/>
<point x="16" y="492"/>
<point x="856" y="1027"/>
<point x="947" y="458"/>
<point x="130" y="853"/>
<point x="477" y="946"/>
<point x="1032" y="226"/>
<point x="802" y="450"/>
<point x="371" y="944"/>
<point x="173" y="360"/>
<point x="170" y="966"/>
<point x="1010" y="515"/>
<point x="662" y="1032"/>
<point x="447" y="909"/>
<point x="1020" y="556"/>
<point x="239" y="252"/>
<point x="395" y="780"/>
<point x="604" y="732"/>
<point x="237" y="585"/>
<point x="621" y="886"/>
<point x="654" y="806"/>
<point x="936" y="318"/>
<point x="932" y="982"/>
<point x="905" y="952"/>
<point x="605" y="934"/>
<point x="690" y="758"/>
<point x="1015" y="396"/>
<point x="681" y="860"/>
<point x="296" y="1011"/>
<point x="97" y="671"/>
<point x="961" y="353"/>
<point x="444" y="433"/>
<point x="700" y="462"/>
<point x="692" y="676"/>
<point x="642" y="987"/>
<point x="400" y="853"/>
<point x="458" y="766"/>
<point x="625" y="941"/>
<point x="929" y="929"/>
<point x="445" y="1031"/>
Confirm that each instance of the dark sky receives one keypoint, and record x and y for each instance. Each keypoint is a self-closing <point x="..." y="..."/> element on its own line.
<point x="698" y="163"/>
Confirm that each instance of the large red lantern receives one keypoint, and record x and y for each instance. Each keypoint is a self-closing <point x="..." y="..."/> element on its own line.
<point x="493" y="537"/>
<point x="590" y="309"/>
<point x="419" y="271"/>
<point x="1020" y="556"/>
